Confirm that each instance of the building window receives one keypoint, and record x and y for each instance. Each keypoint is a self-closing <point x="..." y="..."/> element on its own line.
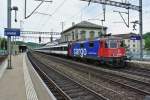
<point x="72" y="35"/>
<point x="76" y="36"/>
<point x="133" y="40"/>
<point x="129" y="41"/>
<point x="133" y="50"/>
<point x="92" y="35"/>
<point x="83" y="35"/>
<point x="100" y="33"/>
<point x="129" y="46"/>
<point x="66" y="38"/>
<point x="133" y="45"/>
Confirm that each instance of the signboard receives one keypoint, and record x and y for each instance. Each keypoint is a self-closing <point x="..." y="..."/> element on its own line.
<point x="12" y="32"/>
<point x="136" y="37"/>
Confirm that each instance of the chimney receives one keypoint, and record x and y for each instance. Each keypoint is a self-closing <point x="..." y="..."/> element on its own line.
<point x="73" y="23"/>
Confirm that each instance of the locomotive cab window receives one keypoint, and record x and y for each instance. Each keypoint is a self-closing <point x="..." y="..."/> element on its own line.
<point x="122" y="44"/>
<point x="112" y="44"/>
<point x="91" y="44"/>
<point x="106" y="44"/>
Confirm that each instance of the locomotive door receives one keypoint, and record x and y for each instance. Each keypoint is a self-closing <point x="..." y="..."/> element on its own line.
<point x="101" y="48"/>
<point x="69" y="49"/>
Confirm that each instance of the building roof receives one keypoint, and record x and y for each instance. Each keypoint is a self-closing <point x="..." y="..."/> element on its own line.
<point x="125" y="36"/>
<point x="85" y="24"/>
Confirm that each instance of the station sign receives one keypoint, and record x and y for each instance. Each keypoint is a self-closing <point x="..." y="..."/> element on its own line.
<point x="135" y="37"/>
<point x="12" y="32"/>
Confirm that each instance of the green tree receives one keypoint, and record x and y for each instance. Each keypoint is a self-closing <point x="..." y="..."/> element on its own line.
<point x="3" y="43"/>
<point x="147" y="40"/>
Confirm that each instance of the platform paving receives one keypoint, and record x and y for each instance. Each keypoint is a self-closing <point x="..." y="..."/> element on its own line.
<point x="142" y="62"/>
<point x="22" y="82"/>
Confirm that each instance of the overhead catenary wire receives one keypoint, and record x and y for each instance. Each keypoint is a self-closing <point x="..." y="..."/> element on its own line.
<point x="53" y="13"/>
<point x="57" y="9"/>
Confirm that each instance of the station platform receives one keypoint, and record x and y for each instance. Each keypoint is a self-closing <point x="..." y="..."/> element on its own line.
<point x="138" y="61"/>
<point x="22" y="82"/>
<point x="141" y="64"/>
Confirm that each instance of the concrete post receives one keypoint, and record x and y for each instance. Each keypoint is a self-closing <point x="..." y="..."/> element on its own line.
<point x="9" y="38"/>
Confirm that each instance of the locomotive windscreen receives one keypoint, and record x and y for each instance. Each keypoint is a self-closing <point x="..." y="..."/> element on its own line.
<point x="111" y="44"/>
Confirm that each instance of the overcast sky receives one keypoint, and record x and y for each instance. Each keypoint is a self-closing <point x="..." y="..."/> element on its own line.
<point x="69" y="11"/>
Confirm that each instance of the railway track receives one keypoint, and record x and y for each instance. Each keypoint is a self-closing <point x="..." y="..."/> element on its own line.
<point x="143" y="72"/>
<point x="134" y="85"/>
<point x="62" y="86"/>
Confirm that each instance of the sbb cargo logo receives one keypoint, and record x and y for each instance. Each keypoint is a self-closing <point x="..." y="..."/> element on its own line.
<point x="80" y="52"/>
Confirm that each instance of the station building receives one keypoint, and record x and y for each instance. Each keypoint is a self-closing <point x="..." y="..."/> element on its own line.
<point x="88" y="31"/>
<point x="133" y="45"/>
<point x="82" y="31"/>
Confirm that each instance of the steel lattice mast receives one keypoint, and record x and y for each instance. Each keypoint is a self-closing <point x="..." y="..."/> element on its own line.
<point x="127" y="6"/>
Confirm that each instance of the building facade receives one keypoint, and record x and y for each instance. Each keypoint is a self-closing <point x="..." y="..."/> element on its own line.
<point x="133" y="45"/>
<point x="83" y="31"/>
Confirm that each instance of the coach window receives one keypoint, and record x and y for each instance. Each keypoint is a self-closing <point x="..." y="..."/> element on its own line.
<point x="65" y="48"/>
<point x="59" y="48"/>
<point x="91" y="44"/>
<point x="62" y="48"/>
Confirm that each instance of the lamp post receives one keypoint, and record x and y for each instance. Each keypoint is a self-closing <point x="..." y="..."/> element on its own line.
<point x="141" y="28"/>
<point x="9" y="38"/>
<point x="9" y="9"/>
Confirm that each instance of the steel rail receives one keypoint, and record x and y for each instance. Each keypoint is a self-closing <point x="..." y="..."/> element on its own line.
<point x="47" y="80"/>
<point x="59" y="60"/>
<point x="87" y="89"/>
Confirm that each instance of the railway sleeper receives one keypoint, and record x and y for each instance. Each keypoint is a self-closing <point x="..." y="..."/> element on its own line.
<point x="77" y="94"/>
<point x="68" y="88"/>
<point x="72" y="90"/>
<point x="84" y="98"/>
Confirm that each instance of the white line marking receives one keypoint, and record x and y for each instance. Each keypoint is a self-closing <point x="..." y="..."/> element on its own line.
<point x="49" y="92"/>
<point x="30" y="91"/>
